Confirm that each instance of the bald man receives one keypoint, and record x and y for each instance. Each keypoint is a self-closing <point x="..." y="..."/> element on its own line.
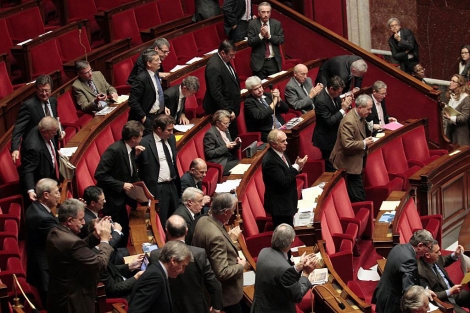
<point x="300" y="92"/>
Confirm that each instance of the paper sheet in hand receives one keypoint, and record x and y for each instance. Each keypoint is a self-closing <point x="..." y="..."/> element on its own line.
<point x="451" y="111"/>
<point x="240" y="169"/>
<point x="392" y="126"/>
<point x="311" y="193"/>
<point x="139" y="192"/>
<point x="389" y="205"/>
<point x="68" y="151"/>
<point x="183" y="128"/>
<point x="249" y="278"/>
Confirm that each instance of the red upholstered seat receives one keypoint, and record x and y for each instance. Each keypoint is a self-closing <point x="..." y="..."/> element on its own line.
<point x="124" y="25"/>
<point x="84" y="9"/>
<point x="25" y="25"/>
<point x="241" y="125"/>
<point x="288" y="63"/>
<point x="9" y="249"/>
<point x="185" y="47"/>
<point x="120" y="74"/>
<point x="241" y="64"/>
<point x="70" y="47"/>
<point x="86" y="168"/>
<point x="9" y="179"/>
<point x="396" y="163"/>
<point x="171" y="60"/>
<point x="5" y="84"/>
<point x="147" y="15"/>
<point x="416" y="148"/>
<point x="8" y="229"/>
<point x="45" y="58"/>
<point x="6" y="43"/>
<point x="69" y="116"/>
<point x="11" y="208"/>
<point x="207" y="39"/>
<point x="170" y="10"/>
<point x="315" y="165"/>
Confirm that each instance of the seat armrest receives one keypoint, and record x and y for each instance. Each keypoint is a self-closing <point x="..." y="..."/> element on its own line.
<point x="345" y="221"/>
<point x="415" y="163"/>
<point x="218" y="167"/>
<point x="357" y="206"/>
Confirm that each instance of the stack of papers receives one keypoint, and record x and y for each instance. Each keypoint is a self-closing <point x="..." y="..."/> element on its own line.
<point x="387" y="217"/>
<point x="177" y="68"/>
<point x="228" y="186"/>
<point x="195" y="59"/>
<point x="392" y="126"/>
<point x="183" y="128"/>
<point x="319" y="276"/>
<point x="106" y="111"/>
<point x="240" y="169"/>
<point x="389" y="205"/>
<point x="68" y="151"/>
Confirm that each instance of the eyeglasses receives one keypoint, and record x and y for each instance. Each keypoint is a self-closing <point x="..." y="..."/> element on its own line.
<point x="164" y="51"/>
<point x="44" y="90"/>
<point x="464" y="53"/>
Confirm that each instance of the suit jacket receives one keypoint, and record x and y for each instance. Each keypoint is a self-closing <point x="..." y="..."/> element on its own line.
<point x="278" y="286"/>
<point x="407" y="42"/>
<point x="280" y="194"/>
<point x="329" y="117"/>
<point x="401" y="272"/>
<point x="85" y="95"/>
<point x="188" y="290"/>
<point x="73" y="270"/>
<point x="183" y="211"/>
<point x="233" y="11"/>
<point x="31" y="112"/>
<point x="172" y="95"/>
<point x="459" y="132"/>
<point x="222" y="88"/>
<point x="151" y="293"/>
<point x="89" y="216"/>
<point x="36" y="160"/>
<point x="211" y="235"/>
<point x="258" y="117"/>
<point x="149" y="164"/>
<point x="111" y="174"/>
<point x="427" y="277"/>
<point x="296" y="97"/>
<point x="339" y="66"/>
<point x="206" y="9"/>
<point x="215" y="148"/>
<point x="258" y="47"/>
<point x="38" y="223"/>
<point x="188" y="181"/>
<point x="374" y="116"/>
<point x="348" y="151"/>
<point x="142" y="97"/>
<point x="139" y="66"/>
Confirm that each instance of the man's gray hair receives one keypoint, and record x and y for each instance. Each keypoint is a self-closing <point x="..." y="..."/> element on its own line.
<point x="191" y="83"/>
<point x="359" y="65"/>
<point x="362" y="100"/>
<point x="148" y="56"/>
<point x="252" y="81"/>
<point x="378" y="85"/>
<point x="175" y="249"/>
<point x="413" y="299"/>
<point x="221" y="202"/>
<point x="160" y="42"/>
<point x="421" y="236"/>
<point x="273" y="136"/>
<point x="48" y="123"/>
<point x="283" y="236"/>
<point x="263" y="4"/>
<point x="190" y="193"/>
<point x="390" y="21"/>
<point x="81" y="65"/>
<point x="45" y="185"/>
<point x="70" y="208"/>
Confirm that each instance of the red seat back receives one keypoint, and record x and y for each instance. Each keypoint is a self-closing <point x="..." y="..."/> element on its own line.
<point x="45" y="58"/>
<point x="408" y="221"/>
<point x="25" y="25"/>
<point x="242" y="66"/>
<point x="9" y="172"/>
<point x="70" y="47"/>
<point x="66" y="108"/>
<point x="5" y="84"/>
<point x="124" y="25"/>
<point x="185" y="47"/>
<point x="170" y="10"/>
<point x="206" y="39"/>
<point x="147" y="15"/>
<point x="375" y="172"/>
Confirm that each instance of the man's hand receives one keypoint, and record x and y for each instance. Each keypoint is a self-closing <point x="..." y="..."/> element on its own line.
<point x="314" y="91"/>
<point x="458" y="251"/>
<point x="232" y="116"/>
<point x="234" y="26"/>
<point x="455" y="289"/>
<point x="127" y="186"/>
<point x="346" y="102"/>
<point x="167" y="111"/>
<point x="231" y="145"/>
<point x="114" y="96"/>
<point x="103" y="229"/>
<point x="138" y="150"/>
<point x="234" y="233"/>
<point x="62" y="135"/>
<point x="32" y="196"/>
<point x="301" y="162"/>
<point x="15" y="155"/>
<point x="117" y="226"/>
<point x="206" y="200"/>
<point x="241" y="261"/>
<point x="368" y="141"/>
<point x="137" y="263"/>
<point x="377" y="126"/>
<point x="143" y="119"/>
<point x="138" y="274"/>
<point x="183" y="120"/>
<point x="264" y="32"/>
<point x="163" y="74"/>
<point x="392" y="119"/>
<point x="397" y="36"/>
<point x="100" y="97"/>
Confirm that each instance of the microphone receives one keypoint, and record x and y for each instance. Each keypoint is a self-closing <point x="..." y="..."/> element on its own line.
<point x="80" y="38"/>
<point x="341" y="305"/>
<point x="274" y="109"/>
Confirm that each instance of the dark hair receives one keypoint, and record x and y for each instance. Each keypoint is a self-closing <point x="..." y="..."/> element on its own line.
<point x="162" y="121"/>
<point x="335" y="82"/>
<point x="132" y="129"/>
<point x="460" y="55"/>
<point x="80" y="65"/>
<point x="43" y="80"/>
<point x="226" y="46"/>
<point x="92" y="193"/>
<point x="148" y="55"/>
<point x="191" y="83"/>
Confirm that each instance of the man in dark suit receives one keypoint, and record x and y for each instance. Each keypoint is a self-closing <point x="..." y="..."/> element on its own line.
<point x="237" y="14"/>
<point x="175" y="98"/>
<point x="91" y="90"/>
<point x="206" y="9"/>
<point x="265" y="35"/>
<point x="329" y="111"/>
<point x="300" y="92"/>
<point x="32" y="111"/>
<point x="157" y="166"/>
<point x="262" y="109"/>
<point x="350" y="149"/>
<point x="403" y="45"/>
<point x="193" y="200"/>
<point x="223" y="86"/>
<point x="432" y="274"/>
<point x="151" y="293"/>
<point x="195" y="175"/>
<point x="279" y="285"/>
<point x="280" y="195"/>
<point x="401" y="272"/>
<point x="350" y="68"/>
<point x="188" y="290"/>
<point x="211" y="235"/>
<point x="39" y="156"/>
<point x="162" y="46"/>
<point x="39" y="221"/>
<point x="73" y="267"/>
<point x="117" y="171"/>
<point x="379" y="116"/>
<point x="146" y="100"/>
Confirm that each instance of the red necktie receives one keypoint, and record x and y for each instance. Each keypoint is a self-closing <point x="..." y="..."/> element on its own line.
<point x="266" y="45"/>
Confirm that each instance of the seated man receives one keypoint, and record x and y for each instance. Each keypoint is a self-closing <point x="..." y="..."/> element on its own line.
<point x="263" y="109"/>
<point x="415" y="300"/>
<point x="300" y="92"/>
<point x="379" y="115"/>
<point x="218" y="145"/>
<point x="193" y="200"/>
<point x="91" y="90"/>
<point x="175" y="98"/>
<point x="419" y="72"/>
<point x="195" y="175"/>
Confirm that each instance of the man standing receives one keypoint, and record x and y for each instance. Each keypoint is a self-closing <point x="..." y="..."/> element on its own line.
<point x="193" y="200"/>
<point x="401" y="272"/>
<point x="265" y="35"/>
<point x="146" y="100"/>
<point x="162" y="47"/>
<point x="300" y="92"/>
<point x="211" y="235"/>
<point x="73" y="266"/>
<point x="39" y="221"/>
<point x="175" y="98"/>
<point x="329" y="111"/>
<point x="157" y="166"/>
<point x="262" y="109"/>
<point x="350" y="68"/>
<point x="117" y="171"/>
<point x="237" y="14"/>
<point x="350" y="149"/>
<point x="279" y="285"/>
<point x="379" y="115"/>
<point x="280" y="195"/>
<point x="223" y="86"/>
<point x="151" y="293"/>
<point x="91" y="90"/>
<point x="403" y="45"/>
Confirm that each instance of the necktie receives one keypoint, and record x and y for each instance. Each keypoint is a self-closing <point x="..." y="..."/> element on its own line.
<point x="266" y="45"/>
<point x="54" y="159"/>
<point x="130" y="163"/>
<point x="230" y="68"/>
<point x="303" y="88"/>
<point x="276" y="123"/>
<point x="47" y="112"/>
<point x="284" y="159"/>
<point x="93" y="87"/>
<point x="160" y="94"/>
<point x="169" y="160"/>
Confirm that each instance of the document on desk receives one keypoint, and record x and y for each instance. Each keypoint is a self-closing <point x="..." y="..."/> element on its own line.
<point x="368" y="275"/>
<point x="183" y="128"/>
<point x="249" y="278"/>
<point x="240" y="169"/>
<point x="68" y="151"/>
<point x="195" y="59"/>
<point x="387" y="217"/>
<point x="105" y="111"/>
<point x="312" y="193"/>
<point x="228" y="185"/>
<point x="306" y="205"/>
<point x="389" y="205"/>
<point x="212" y="52"/>
<point x="392" y="126"/>
<point x="177" y="68"/>
<point x="122" y="98"/>
<point x="319" y="276"/>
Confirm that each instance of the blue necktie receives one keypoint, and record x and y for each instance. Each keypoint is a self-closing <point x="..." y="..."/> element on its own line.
<point x="276" y="123"/>
<point x="160" y="94"/>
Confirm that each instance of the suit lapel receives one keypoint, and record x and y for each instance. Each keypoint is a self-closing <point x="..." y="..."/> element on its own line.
<point x="150" y="81"/>
<point x="223" y="231"/>
<point x="153" y="148"/>
<point x="360" y="125"/>
<point x="125" y="156"/>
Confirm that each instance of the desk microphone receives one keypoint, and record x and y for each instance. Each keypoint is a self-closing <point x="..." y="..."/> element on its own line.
<point x="80" y="38"/>
<point x="340" y="303"/>
<point x="274" y="109"/>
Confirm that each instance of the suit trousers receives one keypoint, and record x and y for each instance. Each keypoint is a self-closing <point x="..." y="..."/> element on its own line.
<point x="355" y="187"/>
<point x="167" y="196"/>
<point x="325" y="154"/>
<point x="269" y="67"/>
<point x="239" y="33"/>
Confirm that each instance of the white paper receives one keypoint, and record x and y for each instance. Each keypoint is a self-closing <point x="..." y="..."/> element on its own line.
<point x="68" y="151"/>
<point x="177" y="68"/>
<point x="228" y="185"/>
<point x="212" y="52"/>
<point x="183" y="128"/>
<point x="240" y="169"/>
<point x="368" y="275"/>
<point x="312" y="193"/>
<point x="195" y="59"/>
<point x="243" y="91"/>
<point x="23" y="42"/>
<point x="432" y="307"/>
<point x="296" y="249"/>
<point x="122" y="98"/>
<point x="306" y="205"/>
<point x="249" y="278"/>
<point x="389" y="205"/>
<point x="105" y="111"/>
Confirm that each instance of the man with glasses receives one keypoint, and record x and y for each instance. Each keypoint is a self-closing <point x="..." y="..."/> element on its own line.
<point x="401" y="272"/>
<point x="175" y="98"/>
<point x="32" y="111"/>
<point x="403" y="44"/>
<point x="91" y="90"/>
<point x="379" y="115"/>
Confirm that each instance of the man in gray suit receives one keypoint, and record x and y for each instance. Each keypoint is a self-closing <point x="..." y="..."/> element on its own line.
<point x="300" y="92"/>
<point x="279" y="285"/>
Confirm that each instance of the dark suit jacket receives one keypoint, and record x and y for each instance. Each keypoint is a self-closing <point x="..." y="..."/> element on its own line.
<point x="89" y="215"/>
<point x="206" y="9"/>
<point x="172" y="95"/>
<point x="339" y="66"/>
<point x="328" y="119"/>
<point x="188" y="289"/>
<point x="427" y="277"/>
<point x="233" y="11"/>
<point x="185" y="214"/>
<point x="151" y="293"/>
<point x="278" y="286"/>
<point x="280" y="194"/>
<point x="223" y="89"/>
<point x="401" y="272"/>
<point x="85" y="95"/>
<point x="139" y="66"/>
<point x="215" y="148"/>
<point x="149" y="165"/>
<point x="38" y="223"/>
<point x="407" y="42"/>
<point x="374" y="116"/>
<point x="31" y="112"/>
<point x="212" y="237"/>
<point x="36" y="160"/>
<point x="258" y="47"/>
<point x="73" y="270"/>
<point x="258" y="117"/>
<point x="296" y="97"/>
<point x="188" y="181"/>
<point x="142" y="97"/>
